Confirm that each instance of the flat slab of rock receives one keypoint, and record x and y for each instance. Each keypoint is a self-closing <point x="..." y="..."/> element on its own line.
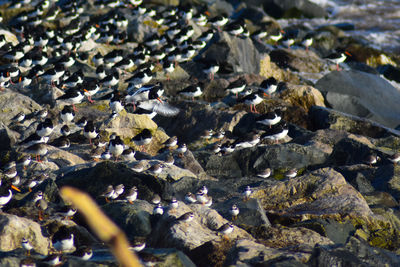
<point x="362" y="94"/>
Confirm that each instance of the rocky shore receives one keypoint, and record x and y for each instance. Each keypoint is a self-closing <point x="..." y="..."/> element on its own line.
<point x="331" y="197"/>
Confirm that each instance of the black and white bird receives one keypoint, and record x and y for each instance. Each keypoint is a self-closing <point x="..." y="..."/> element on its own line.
<point x="338" y="57"/>
<point x="236" y="86"/>
<point x="246" y="193"/>
<point x="143" y="138"/>
<point x="226" y="229"/>
<point x="89" y="131"/>
<point x="131" y="195"/>
<point x="252" y="100"/>
<point x="269" y="86"/>
<point x="116" y="147"/>
<point x="270" y="118"/>
<point x="265" y="173"/>
<point x="84" y="252"/>
<point x="72" y="97"/>
<point x="63" y="239"/>
<point x="234" y="211"/>
<point x="191" y="91"/>
<point x="128" y="154"/>
<point x="45" y="128"/>
<point x="67" y="114"/>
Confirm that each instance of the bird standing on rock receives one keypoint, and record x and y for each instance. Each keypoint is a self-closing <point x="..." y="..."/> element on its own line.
<point x="116" y="147"/>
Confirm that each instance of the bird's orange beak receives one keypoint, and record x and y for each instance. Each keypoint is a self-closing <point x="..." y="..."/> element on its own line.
<point x="347" y="53"/>
<point x="282" y="31"/>
<point x="159" y="100"/>
<point x="15" y="188"/>
<point x="20" y="79"/>
<point x="86" y="91"/>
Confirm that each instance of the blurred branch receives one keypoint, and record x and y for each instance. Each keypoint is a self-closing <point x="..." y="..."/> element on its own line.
<point x="105" y="229"/>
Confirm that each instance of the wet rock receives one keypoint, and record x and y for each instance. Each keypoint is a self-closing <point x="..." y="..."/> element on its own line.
<point x="251" y="253"/>
<point x="337" y="232"/>
<point x="239" y="54"/>
<point x="390" y="72"/>
<point x="355" y="253"/>
<point x="293" y="9"/>
<point x="360" y="98"/>
<point x="15" y="228"/>
<point x="359" y="176"/>
<point x="171" y="257"/>
<point x="133" y="219"/>
<point x="326" y="118"/>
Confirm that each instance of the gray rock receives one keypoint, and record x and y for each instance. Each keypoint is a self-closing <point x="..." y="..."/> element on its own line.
<point x="355" y="253"/>
<point x="133" y="219"/>
<point x="371" y="96"/>
<point x="8" y="138"/>
<point x="239" y="54"/>
<point x="14" y="228"/>
<point x="326" y="118"/>
<point x="290" y="9"/>
<point x="12" y="103"/>
<point x="94" y="180"/>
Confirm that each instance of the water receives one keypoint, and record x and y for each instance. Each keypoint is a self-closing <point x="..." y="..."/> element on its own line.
<point x="376" y="22"/>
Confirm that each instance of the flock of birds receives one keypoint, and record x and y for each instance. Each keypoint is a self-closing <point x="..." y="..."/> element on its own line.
<point x="45" y="54"/>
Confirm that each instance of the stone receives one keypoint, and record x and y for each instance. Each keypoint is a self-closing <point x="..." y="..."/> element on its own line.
<point x="326" y="118"/>
<point x="127" y="125"/>
<point x="252" y="253"/>
<point x="94" y="180"/>
<point x="293" y="9"/>
<point x="133" y="219"/>
<point x="298" y="60"/>
<point x="14" y="228"/>
<point x="197" y="117"/>
<point x="303" y="96"/>
<point x="64" y="158"/>
<point x="239" y="54"/>
<point x="12" y="103"/>
<point x="8" y="138"/>
<point x="321" y="193"/>
<point x="360" y="98"/>
<point x="187" y="236"/>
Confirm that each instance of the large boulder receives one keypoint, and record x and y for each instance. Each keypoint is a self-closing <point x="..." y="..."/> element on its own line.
<point x="362" y="94"/>
<point x="189" y="125"/>
<point x="170" y="232"/>
<point x="326" y="118"/>
<point x="290" y="9"/>
<point x="14" y="228"/>
<point x="12" y="103"/>
<point x="94" y="180"/>
<point x="127" y="125"/>
<point x="323" y="192"/>
<point x="133" y="219"/>
<point x="237" y="53"/>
